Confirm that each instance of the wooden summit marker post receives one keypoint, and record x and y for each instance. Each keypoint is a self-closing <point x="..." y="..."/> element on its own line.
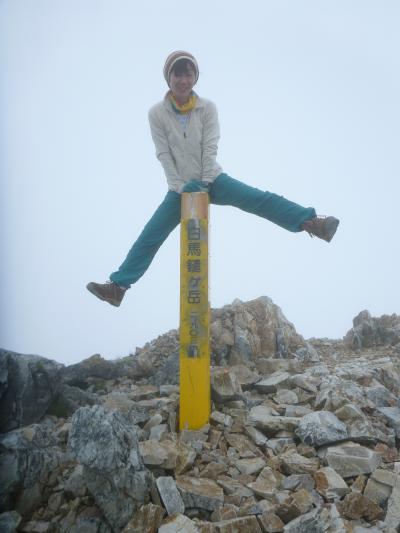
<point x="194" y="354"/>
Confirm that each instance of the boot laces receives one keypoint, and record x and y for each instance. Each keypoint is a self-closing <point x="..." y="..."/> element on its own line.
<point x="313" y="232"/>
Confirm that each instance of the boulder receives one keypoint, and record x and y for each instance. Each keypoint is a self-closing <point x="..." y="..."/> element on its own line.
<point x="330" y="484"/>
<point x="270" y="522"/>
<point x="69" y="399"/>
<point x="9" y="521"/>
<point x="225" y="385"/>
<point x="262" y="418"/>
<point x="392" y="416"/>
<point x="28" y="456"/>
<point x="201" y="493"/>
<point x="294" y="463"/>
<point x="295" y="505"/>
<point x="170" y="495"/>
<point x="147" y="519"/>
<point x="245" y="331"/>
<point x="265" y="484"/>
<point x="273" y="382"/>
<point x="315" y="521"/>
<point x="368" y="331"/>
<point x="93" y="367"/>
<point x="245" y="524"/>
<point x="163" y="454"/>
<point x="113" y="469"/>
<point x="356" y="506"/>
<point x="178" y="523"/>
<point x="321" y="427"/>
<point x="28" y="386"/>
<point x="392" y="518"/>
<point x="351" y="459"/>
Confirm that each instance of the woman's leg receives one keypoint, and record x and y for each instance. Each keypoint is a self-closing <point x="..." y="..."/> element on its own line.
<point x="164" y="220"/>
<point x="228" y="191"/>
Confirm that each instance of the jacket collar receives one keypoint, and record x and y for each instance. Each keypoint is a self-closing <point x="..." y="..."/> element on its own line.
<point x="199" y="102"/>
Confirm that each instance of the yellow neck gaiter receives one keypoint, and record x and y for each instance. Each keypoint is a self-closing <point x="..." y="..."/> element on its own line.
<point x="185" y="108"/>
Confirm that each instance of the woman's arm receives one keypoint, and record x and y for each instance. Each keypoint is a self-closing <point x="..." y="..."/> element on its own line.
<point x="163" y="152"/>
<point x="210" y="140"/>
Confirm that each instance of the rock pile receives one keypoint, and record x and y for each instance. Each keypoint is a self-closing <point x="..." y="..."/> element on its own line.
<point x="303" y="436"/>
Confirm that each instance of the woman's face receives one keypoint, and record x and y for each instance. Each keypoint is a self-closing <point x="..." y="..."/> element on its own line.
<point x="182" y="84"/>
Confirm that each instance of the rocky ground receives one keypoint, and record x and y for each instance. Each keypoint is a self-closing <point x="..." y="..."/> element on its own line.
<point x="303" y="436"/>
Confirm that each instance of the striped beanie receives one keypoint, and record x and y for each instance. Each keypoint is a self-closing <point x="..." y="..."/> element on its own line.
<point x="176" y="56"/>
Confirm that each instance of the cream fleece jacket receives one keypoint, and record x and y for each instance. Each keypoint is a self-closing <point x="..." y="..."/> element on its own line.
<point x="190" y="153"/>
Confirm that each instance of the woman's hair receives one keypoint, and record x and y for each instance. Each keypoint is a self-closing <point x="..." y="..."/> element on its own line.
<point x="182" y="66"/>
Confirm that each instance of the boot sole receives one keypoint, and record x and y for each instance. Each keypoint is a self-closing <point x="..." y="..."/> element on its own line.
<point x="91" y="288"/>
<point x="332" y="224"/>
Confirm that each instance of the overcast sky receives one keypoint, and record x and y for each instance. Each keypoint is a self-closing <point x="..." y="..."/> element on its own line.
<point x="308" y="100"/>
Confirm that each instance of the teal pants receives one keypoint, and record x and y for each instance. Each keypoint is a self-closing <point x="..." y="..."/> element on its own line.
<point x="223" y="191"/>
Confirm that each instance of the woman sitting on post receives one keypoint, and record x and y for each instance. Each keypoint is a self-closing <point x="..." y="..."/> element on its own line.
<point x="185" y="131"/>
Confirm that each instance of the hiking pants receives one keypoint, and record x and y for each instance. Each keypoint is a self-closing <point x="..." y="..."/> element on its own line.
<point x="223" y="191"/>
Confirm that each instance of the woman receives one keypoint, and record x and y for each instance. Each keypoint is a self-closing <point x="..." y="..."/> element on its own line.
<point x="185" y="132"/>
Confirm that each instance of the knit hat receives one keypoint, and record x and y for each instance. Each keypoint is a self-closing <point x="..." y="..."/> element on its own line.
<point x="176" y="56"/>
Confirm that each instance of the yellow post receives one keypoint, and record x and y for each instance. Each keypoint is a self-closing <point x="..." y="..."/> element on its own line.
<point x="194" y="313"/>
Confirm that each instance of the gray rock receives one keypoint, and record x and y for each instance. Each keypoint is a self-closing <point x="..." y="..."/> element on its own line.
<point x="38" y="526"/>
<point x="158" y="432"/>
<point x="75" y="484"/>
<point x="265" y="484"/>
<point x="377" y="492"/>
<point x="316" y="521"/>
<point x="250" y="466"/>
<point x="270" y="522"/>
<point x="88" y="522"/>
<point x="351" y="459"/>
<point x="146" y="520"/>
<point x="221" y="418"/>
<point x="244" y="524"/>
<point x="170" y="495"/>
<point x="330" y="484"/>
<point x="201" y="493"/>
<point x="307" y="354"/>
<point x="225" y="385"/>
<point x="246" y="377"/>
<point x="298" y="481"/>
<point x="368" y="331"/>
<point x="28" y="455"/>
<point x="392" y="415"/>
<point x="393" y="509"/>
<point x="285" y="396"/>
<point x="28" y="385"/>
<point x="163" y="454"/>
<point x="246" y="331"/>
<point x="9" y="522"/>
<point x="113" y="470"/>
<point x="321" y="427"/>
<point x="294" y="463"/>
<point x="279" y="444"/>
<point x="257" y="436"/>
<point x="380" y="396"/>
<point x="297" y="411"/>
<point x="178" y="523"/>
<point x="69" y="399"/>
<point x="262" y="418"/>
<point x="305" y="382"/>
<point x="168" y="373"/>
<point x="273" y="382"/>
<point x="92" y="367"/>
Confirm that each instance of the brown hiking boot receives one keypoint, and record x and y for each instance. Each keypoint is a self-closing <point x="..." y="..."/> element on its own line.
<point x="109" y="292"/>
<point x="321" y="227"/>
